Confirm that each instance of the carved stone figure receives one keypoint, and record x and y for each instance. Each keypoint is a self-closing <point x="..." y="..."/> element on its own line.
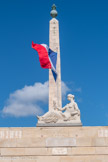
<point x="70" y="113"/>
<point x="51" y="116"/>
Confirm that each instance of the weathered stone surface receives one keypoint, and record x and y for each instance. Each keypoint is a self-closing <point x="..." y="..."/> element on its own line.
<point x="25" y="151"/>
<point x="59" y="151"/>
<point x="56" y="131"/>
<point x="41" y="142"/>
<point x="59" y="125"/>
<point x="36" y="137"/>
<point x="58" y="142"/>
<point x="70" y="151"/>
<point x="98" y="158"/>
<point x="55" y="87"/>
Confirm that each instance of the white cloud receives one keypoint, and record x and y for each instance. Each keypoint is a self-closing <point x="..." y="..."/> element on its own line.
<point x="25" y="101"/>
<point x="65" y="89"/>
<point x="73" y="87"/>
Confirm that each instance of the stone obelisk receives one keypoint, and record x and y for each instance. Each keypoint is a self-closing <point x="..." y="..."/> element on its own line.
<point x="54" y="44"/>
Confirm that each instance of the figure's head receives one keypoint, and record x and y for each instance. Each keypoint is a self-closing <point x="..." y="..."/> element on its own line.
<point x="70" y="97"/>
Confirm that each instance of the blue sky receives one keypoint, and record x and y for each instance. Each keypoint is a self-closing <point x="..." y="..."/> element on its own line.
<point x="84" y="58"/>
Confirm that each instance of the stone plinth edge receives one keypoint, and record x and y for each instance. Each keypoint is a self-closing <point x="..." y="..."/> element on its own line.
<point x="59" y="125"/>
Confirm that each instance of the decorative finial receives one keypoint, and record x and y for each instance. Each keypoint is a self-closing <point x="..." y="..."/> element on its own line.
<point x="53" y="13"/>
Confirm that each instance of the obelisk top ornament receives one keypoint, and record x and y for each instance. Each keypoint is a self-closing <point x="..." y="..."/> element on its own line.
<point x="53" y="12"/>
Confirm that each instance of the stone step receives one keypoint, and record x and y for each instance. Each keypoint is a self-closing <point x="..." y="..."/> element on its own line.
<point x="55" y="142"/>
<point x="74" y="151"/>
<point x="53" y="132"/>
<point x="97" y="158"/>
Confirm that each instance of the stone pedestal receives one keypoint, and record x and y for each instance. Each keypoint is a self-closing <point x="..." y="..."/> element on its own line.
<point x="50" y="144"/>
<point x="59" y="124"/>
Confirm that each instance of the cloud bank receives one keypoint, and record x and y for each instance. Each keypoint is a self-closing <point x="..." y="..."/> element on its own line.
<point x="25" y="102"/>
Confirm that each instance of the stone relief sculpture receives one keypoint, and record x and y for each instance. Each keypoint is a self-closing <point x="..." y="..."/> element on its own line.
<point x="70" y="113"/>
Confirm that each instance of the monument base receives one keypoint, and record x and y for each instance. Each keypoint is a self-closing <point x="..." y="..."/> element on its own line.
<point x="54" y="144"/>
<point x="59" y="125"/>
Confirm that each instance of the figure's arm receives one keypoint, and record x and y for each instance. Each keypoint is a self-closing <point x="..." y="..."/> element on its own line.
<point x="76" y="108"/>
<point x="62" y="109"/>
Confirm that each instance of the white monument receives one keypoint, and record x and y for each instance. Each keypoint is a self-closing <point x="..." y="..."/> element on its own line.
<point x="55" y="144"/>
<point x="69" y="115"/>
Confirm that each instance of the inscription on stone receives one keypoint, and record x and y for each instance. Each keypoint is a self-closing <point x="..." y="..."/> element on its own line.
<point x="59" y="151"/>
<point x="60" y="142"/>
<point x="103" y="133"/>
<point x="10" y="134"/>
